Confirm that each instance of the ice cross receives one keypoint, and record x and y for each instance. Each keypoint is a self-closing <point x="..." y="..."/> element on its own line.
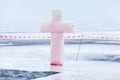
<point x="57" y="28"/>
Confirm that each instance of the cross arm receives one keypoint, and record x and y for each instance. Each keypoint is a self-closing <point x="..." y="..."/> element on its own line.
<point x="64" y="27"/>
<point x="46" y="27"/>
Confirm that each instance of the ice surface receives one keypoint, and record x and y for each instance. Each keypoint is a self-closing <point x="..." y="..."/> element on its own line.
<point x="37" y="58"/>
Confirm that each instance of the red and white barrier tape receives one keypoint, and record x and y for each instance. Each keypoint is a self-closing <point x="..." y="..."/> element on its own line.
<point x="66" y="37"/>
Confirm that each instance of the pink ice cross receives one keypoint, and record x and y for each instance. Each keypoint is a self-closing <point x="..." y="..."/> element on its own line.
<point x="57" y="28"/>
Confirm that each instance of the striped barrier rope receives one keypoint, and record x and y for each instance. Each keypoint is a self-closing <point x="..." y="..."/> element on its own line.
<point x="66" y="37"/>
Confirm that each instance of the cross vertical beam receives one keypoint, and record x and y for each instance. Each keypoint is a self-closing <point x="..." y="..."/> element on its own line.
<point x="57" y="28"/>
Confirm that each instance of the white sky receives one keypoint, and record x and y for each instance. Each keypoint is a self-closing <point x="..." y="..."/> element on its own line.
<point x="88" y="15"/>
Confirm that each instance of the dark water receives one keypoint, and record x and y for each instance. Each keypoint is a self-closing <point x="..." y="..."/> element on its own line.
<point x="23" y="75"/>
<point x="15" y="42"/>
<point x="106" y="58"/>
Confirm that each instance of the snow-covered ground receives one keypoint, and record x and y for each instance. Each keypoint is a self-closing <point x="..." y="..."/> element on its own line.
<point x="95" y="61"/>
